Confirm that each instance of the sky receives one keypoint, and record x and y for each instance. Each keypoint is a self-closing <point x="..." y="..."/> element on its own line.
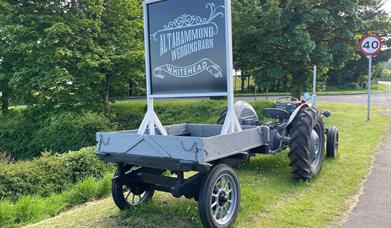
<point x="387" y="6"/>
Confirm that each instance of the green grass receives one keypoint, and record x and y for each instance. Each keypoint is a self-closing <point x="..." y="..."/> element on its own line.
<point x="374" y="88"/>
<point x="269" y="196"/>
<point x="30" y="209"/>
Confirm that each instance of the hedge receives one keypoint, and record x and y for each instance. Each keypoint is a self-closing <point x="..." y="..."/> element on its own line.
<point x="128" y="115"/>
<point x="49" y="173"/>
<point x="23" y="136"/>
<point x="70" y="131"/>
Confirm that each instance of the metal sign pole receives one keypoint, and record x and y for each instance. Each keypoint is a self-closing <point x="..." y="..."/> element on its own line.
<point x="314" y="89"/>
<point x="369" y="85"/>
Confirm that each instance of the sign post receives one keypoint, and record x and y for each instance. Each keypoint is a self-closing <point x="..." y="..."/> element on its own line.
<point x="188" y="53"/>
<point x="369" y="86"/>
<point x="313" y="102"/>
<point x="370" y="46"/>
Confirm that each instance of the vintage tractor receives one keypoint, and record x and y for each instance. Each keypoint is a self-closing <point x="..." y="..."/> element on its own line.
<point x="147" y="163"/>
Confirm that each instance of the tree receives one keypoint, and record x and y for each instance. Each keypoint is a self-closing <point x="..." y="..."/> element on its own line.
<point x="244" y="17"/>
<point x="122" y="42"/>
<point x="288" y="37"/>
<point x="67" y="55"/>
<point x="373" y="21"/>
<point x="4" y="81"/>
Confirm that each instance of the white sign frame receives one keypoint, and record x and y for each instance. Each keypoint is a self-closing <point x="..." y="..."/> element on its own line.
<point x="151" y="121"/>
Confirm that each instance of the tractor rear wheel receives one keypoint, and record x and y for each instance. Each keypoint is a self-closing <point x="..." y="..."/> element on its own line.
<point x="306" y="144"/>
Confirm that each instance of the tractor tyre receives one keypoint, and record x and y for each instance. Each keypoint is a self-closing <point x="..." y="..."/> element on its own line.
<point x="332" y="142"/>
<point x="306" y="144"/>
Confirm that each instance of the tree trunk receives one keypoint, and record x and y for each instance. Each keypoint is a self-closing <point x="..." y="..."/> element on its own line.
<point x="298" y="83"/>
<point x="4" y="87"/>
<point x="242" y="78"/>
<point x="248" y="83"/>
<point x="106" y="95"/>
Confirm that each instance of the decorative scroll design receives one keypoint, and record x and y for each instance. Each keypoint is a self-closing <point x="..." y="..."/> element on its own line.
<point x="188" y="71"/>
<point x="187" y="21"/>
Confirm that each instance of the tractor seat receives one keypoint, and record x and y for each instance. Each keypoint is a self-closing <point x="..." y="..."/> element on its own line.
<point x="278" y="113"/>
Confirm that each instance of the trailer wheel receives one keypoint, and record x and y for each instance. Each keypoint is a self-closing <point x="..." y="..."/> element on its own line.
<point x="126" y="196"/>
<point x="306" y="144"/>
<point x="219" y="197"/>
<point x="332" y="142"/>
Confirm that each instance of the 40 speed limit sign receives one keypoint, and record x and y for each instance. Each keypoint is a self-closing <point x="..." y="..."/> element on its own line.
<point x="370" y="45"/>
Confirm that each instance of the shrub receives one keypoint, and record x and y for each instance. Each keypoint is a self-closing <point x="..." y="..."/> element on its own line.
<point x="70" y="131"/>
<point x="128" y="115"/>
<point x="49" y="174"/>
<point x="24" y="136"/>
<point x="344" y="86"/>
<point x="16" y="134"/>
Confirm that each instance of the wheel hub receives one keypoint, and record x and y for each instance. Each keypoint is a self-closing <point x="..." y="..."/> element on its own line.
<point x="222" y="199"/>
<point x="137" y="190"/>
<point x="315" y="142"/>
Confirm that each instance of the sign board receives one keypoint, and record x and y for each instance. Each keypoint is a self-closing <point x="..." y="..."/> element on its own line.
<point x="187" y="48"/>
<point x="370" y="45"/>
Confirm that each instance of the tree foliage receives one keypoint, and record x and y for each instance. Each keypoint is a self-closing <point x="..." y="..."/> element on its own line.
<point x="280" y="41"/>
<point x="78" y="54"/>
<point x="68" y="54"/>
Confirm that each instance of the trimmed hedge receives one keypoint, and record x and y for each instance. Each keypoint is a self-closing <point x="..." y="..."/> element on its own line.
<point x="16" y="134"/>
<point x="49" y="173"/>
<point x="128" y="115"/>
<point x="70" y="131"/>
<point x="23" y="136"/>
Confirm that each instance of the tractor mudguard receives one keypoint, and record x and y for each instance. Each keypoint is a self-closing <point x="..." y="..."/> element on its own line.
<point x="294" y="114"/>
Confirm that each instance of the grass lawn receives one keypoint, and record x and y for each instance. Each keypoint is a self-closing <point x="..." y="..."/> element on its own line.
<point x="269" y="196"/>
<point x="375" y="88"/>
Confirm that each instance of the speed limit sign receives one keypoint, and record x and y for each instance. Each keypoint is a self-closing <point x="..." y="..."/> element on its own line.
<point x="370" y="45"/>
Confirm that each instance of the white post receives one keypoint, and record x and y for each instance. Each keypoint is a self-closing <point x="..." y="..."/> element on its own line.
<point x="150" y="119"/>
<point x="369" y="85"/>
<point x="231" y="123"/>
<point x="314" y="89"/>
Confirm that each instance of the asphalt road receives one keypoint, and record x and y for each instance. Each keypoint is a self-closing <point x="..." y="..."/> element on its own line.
<point x="378" y="99"/>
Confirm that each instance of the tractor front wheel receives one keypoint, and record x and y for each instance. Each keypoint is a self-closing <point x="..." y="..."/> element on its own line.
<point x="306" y="144"/>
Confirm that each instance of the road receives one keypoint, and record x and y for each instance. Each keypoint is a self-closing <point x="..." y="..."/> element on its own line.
<point x="378" y="99"/>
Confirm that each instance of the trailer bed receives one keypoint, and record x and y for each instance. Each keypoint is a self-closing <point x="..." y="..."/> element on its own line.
<point x="185" y="146"/>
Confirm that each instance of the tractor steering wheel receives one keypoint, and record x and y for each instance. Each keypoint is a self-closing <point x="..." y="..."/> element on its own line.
<point x="286" y="101"/>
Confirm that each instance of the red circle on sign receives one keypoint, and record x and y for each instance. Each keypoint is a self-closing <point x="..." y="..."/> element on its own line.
<point x="369" y="37"/>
